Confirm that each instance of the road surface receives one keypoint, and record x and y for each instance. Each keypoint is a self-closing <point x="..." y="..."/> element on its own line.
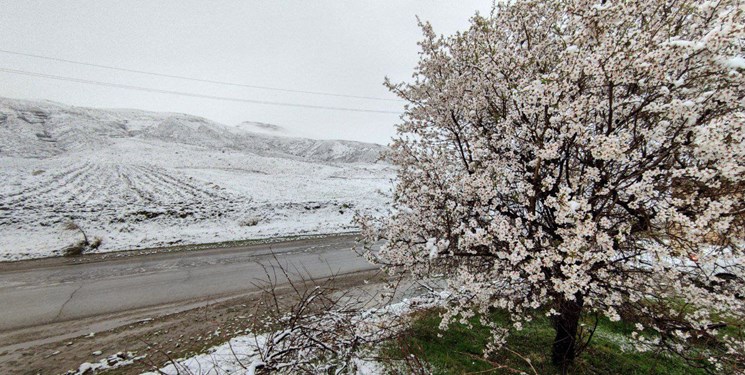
<point x="53" y="291"/>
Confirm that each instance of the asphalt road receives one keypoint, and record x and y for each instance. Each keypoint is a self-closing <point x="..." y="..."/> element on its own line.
<point x="52" y="291"/>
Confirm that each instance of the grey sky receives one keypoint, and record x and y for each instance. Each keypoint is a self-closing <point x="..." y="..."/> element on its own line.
<point x="331" y="46"/>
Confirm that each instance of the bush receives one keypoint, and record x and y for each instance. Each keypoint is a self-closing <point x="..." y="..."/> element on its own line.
<point x="95" y="243"/>
<point x="74" y="250"/>
<point x="70" y="225"/>
<point x="249" y="222"/>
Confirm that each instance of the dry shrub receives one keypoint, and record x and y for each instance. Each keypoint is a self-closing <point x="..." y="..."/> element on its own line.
<point x="75" y="249"/>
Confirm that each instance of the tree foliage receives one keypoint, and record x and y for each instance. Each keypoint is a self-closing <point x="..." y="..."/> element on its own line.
<point x="571" y="157"/>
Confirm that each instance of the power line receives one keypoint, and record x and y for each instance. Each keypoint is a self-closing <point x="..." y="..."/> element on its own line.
<point x="198" y="79"/>
<point x="180" y="93"/>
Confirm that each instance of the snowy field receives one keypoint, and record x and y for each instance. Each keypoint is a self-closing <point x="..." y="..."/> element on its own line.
<point x="167" y="179"/>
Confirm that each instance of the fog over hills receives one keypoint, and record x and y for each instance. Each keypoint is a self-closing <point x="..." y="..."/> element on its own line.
<point x="140" y="179"/>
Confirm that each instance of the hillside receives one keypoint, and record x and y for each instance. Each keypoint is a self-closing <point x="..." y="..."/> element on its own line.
<point x="140" y="179"/>
<point x="43" y="129"/>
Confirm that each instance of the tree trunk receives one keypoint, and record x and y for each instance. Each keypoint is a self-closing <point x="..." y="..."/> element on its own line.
<point x="565" y="324"/>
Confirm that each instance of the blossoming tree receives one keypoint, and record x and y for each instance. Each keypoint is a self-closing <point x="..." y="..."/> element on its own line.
<point x="580" y="157"/>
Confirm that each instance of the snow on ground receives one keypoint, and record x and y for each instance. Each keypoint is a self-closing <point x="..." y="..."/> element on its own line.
<point x="140" y="180"/>
<point x="111" y="362"/>
<point x="241" y="355"/>
<point x="238" y="356"/>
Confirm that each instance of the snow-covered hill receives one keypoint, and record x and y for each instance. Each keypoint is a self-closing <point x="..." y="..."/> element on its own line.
<point x="43" y="129"/>
<point x="140" y="179"/>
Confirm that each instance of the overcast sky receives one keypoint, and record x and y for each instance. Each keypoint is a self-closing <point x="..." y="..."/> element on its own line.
<point x="345" y="47"/>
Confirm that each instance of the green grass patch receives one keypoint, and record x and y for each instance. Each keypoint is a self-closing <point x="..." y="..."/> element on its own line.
<point x="459" y="350"/>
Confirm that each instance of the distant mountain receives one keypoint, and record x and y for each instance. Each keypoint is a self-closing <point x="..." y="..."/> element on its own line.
<point x="260" y="127"/>
<point x="41" y="129"/>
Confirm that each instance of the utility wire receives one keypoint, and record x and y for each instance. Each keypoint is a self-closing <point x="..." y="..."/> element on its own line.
<point x="197" y="79"/>
<point x="225" y="98"/>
